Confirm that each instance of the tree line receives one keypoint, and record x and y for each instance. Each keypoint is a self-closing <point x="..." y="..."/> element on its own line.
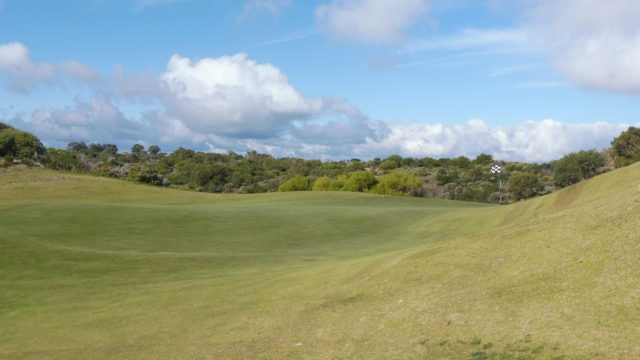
<point x="459" y="178"/>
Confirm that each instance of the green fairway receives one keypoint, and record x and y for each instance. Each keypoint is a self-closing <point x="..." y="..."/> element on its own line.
<point x="93" y="268"/>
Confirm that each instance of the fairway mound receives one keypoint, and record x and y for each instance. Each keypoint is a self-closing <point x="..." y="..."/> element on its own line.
<point x="94" y="268"/>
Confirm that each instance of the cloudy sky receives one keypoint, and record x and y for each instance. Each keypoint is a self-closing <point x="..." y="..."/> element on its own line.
<point x="520" y="79"/>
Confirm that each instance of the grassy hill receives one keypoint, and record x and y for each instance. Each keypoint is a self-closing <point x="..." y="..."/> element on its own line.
<point x="93" y="268"/>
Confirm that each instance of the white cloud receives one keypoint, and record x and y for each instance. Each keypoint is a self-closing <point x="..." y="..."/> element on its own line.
<point x="236" y="96"/>
<point x="12" y="55"/>
<point x="533" y="141"/>
<point x="595" y="43"/>
<point x="96" y="120"/>
<point x="370" y="21"/>
<point x="78" y="71"/>
<point x="22" y="73"/>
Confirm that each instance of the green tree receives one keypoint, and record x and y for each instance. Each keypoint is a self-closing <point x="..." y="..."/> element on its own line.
<point x="397" y="183"/>
<point x="589" y="162"/>
<point x="62" y="160"/>
<point x="338" y="183"/>
<point x="567" y="171"/>
<point x="144" y="173"/>
<point x="20" y="144"/>
<point x="461" y="162"/>
<point x="626" y="147"/>
<point x="154" y="150"/>
<point x="322" y="184"/>
<point x="138" y="152"/>
<point x="483" y="159"/>
<point x="110" y="149"/>
<point x="77" y="146"/>
<point x="389" y="164"/>
<point x="295" y="183"/>
<point x="523" y="185"/>
<point x="360" y="181"/>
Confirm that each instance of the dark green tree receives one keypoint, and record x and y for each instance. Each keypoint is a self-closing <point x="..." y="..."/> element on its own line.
<point x="567" y="171"/>
<point x="483" y="159"/>
<point x="77" y="146"/>
<point x="20" y="144"/>
<point x="626" y="147"/>
<point x="523" y="185"/>
<point x="589" y="162"/>
<point x="154" y="150"/>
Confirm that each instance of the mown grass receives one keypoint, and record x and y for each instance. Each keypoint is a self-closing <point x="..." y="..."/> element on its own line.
<point x="92" y="268"/>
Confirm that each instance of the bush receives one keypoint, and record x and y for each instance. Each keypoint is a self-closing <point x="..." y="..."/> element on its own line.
<point x="397" y="183"/>
<point x="389" y="164"/>
<point x="19" y="144"/>
<point x="62" y="160"/>
<point x="589" y="162"/>
<point x="322" y="184"/>
<point x="524" y="185"/>
<point x="360" y="181"/>
<point x="338" y="183"/>
<point x="296" y="183"/>
<point x="627" y="146"/>
<point x="567" y="171"/>
<point x="145" y="174"/>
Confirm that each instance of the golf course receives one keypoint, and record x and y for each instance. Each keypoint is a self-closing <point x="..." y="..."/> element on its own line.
<point x="98" y="268"/>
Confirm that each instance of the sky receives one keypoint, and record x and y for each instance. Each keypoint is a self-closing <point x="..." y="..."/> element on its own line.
<point x="522" y="80"/>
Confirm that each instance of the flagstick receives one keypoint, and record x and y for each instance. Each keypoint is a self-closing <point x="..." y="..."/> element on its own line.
<point x="496" y="169"/>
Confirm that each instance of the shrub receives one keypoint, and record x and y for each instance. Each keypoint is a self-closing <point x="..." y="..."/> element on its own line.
<point x="627" y="146"/>
<point x="397" y="183"/>
<point x="524" y="185"/>
<point x="62" y="160"/>
<point x="295" y="183"/>
<point x="322" y="184"/>
<point x="389" y="164"/>
<point x="360" y="181"/>
<point x="145" y="174"/>
<point x="19" y="144"/>
<point x="567" y="171"/>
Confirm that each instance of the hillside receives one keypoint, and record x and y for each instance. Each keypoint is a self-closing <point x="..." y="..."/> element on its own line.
<point x="94" y="268"/>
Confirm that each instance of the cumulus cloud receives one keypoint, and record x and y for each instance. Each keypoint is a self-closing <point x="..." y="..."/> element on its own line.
<point x="595" y="43"/>
<point x="22" y="73"/>
<point x="238" y="97"/>
<point x="236" y="103"/>
<point x="534" y="141"/>
<point x="97" y="119"/>
<point x="370" y="21"/>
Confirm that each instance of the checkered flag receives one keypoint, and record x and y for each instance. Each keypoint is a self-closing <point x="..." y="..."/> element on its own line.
<point x="496" y="169"/>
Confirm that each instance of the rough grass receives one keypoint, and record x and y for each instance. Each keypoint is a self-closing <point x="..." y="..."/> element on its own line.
<point x="92" y="268"/>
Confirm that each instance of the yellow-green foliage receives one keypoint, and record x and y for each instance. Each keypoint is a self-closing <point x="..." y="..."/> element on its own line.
<point x="397" y="182"/>
<point x="322" y="184"/>
<point x="295" y="183"/>
<point x="93" y="268"/>
<point x="360" y="181"/>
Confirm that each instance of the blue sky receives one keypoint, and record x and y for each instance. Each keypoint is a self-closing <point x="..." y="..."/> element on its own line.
<point x="523" y="79"/>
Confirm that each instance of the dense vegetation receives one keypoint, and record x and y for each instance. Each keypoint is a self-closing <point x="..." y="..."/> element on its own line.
<point x="459" y="178"/>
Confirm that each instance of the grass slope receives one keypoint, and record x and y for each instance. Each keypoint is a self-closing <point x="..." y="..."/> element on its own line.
<point x="92" y="268"/>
